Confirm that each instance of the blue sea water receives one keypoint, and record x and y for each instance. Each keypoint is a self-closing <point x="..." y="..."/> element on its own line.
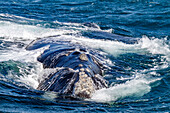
<point x="139" y="73"/>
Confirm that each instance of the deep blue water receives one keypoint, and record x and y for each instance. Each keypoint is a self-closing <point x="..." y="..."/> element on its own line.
<point x="139" y="71"/>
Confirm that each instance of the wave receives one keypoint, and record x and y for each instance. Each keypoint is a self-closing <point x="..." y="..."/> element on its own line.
<point x="139" y="85"/>
<point x="13" y="31"/>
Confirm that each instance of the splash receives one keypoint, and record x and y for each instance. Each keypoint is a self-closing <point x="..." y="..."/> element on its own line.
<point x="28" y="67"/>
<point x="133" y="88"/>
<point x="13" y="31"/>
<point x="136" y="87"/>
<point x="144" y="46"/>
<point x="114" y="48"/>
<point x="155" y="46"/>
<point x="141" y="83"/>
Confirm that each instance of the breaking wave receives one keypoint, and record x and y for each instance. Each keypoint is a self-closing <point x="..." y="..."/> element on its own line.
<point x="140" y="83"/>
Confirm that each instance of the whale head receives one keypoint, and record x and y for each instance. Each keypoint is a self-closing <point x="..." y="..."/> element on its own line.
<point x="79" y="73"/>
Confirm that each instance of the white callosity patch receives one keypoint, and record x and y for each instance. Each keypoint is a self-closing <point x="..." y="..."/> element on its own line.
<point x="84" y="87"/>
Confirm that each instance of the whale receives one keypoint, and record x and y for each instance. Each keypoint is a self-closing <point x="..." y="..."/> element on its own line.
<point x="78" y="71"/>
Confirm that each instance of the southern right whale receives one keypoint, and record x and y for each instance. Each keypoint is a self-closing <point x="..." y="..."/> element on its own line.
<point x="78" y="69"/>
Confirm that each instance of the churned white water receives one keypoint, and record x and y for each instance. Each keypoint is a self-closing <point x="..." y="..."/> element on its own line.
<point x="136" y="87"/>
<point x="133" y="88"/>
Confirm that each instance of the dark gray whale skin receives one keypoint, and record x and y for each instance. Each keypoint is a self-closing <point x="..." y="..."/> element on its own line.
<point x="78" y="70"/>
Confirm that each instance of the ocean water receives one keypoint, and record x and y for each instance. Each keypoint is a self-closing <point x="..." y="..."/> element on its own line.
<point x="133" y="35"/>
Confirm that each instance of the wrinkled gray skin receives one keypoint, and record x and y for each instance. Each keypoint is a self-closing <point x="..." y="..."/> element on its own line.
<point x="78" y="70"/>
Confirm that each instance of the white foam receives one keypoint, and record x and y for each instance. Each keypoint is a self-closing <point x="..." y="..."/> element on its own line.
<point x="13" y="17"/>
<point x="133" y="88"/>
<point x="30" y="79"/>
<point x="14" y="31"/>
<point x="155" y="46"/>
<point x="20" y="54"/>
<point x="50" y="95"/>
<point x="137" y="86"/>
<point x="114" y="48"/>
<point x="145" y="45"/>
<point x="17" y="54"/>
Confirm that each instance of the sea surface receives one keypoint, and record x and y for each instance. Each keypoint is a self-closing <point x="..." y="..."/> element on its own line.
<point x="139" y="73"/>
